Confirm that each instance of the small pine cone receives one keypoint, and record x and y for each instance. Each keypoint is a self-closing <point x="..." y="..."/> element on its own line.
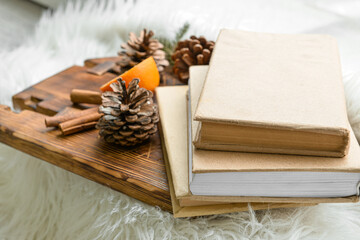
<point x="139" y="48"/>
<point x="193" y="51"/>
<point x="130" y="115"/>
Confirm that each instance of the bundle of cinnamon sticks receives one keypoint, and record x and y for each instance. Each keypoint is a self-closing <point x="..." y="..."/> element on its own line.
<point x="81" y="120"/>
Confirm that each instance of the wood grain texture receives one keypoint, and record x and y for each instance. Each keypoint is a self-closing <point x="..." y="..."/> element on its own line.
<point x="138" y="172"/>
<point x="53" y="94"/>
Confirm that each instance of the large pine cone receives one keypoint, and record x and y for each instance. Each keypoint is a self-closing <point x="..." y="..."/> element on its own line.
<point x="130" y="115"/>
<point x="139" y="48"/>
<point x="193" y="51"/>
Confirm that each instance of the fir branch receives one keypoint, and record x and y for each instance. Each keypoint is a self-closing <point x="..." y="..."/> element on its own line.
<point x="169" y="45"/>
<point x="182" y="31"/>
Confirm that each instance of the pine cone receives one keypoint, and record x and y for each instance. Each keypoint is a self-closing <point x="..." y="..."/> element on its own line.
<point x="130" y="115"/>
<point x="139" y="48"/>
<point x="193" y="51"/>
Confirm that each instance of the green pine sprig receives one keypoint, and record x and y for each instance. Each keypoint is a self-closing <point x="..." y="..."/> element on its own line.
<point x="169" y="45"/>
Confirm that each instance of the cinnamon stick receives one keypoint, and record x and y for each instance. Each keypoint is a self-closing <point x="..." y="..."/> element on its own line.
<point x="85" y="96"/>
<point x="78" y="128"/>
<point x="56" y="120"/>
<point x="94" y="117"/>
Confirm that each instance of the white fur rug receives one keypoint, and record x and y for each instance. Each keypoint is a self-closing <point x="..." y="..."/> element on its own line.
<point x="41" y="201"/>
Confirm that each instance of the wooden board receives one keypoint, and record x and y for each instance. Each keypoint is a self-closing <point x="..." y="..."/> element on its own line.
<point x="138" y="172"/>
<point x="53" y="94"/>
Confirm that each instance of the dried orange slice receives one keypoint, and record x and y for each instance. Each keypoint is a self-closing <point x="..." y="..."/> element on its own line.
<point x="146" y="71"/>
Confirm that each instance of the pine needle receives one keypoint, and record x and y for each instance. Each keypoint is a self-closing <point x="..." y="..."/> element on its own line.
<point x="182" y="31"/>
<point x="169" y="45"/>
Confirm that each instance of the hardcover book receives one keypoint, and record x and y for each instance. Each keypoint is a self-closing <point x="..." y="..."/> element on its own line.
<point x="173" y="114"/>
<point x="274" y="93"/>
<point x="269" y="177"/>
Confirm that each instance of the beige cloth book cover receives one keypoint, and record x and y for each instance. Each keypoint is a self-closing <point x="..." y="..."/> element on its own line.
<point x="172" y="108"/>
<point x="204" y="161"/>
<point x="274" y="93"/>
<point x="199" y="207"/>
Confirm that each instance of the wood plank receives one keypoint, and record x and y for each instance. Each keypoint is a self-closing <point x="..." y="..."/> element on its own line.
<point x="53" y="94"/>
<point x="96" y="61"/>
<point x="138" y="172"/>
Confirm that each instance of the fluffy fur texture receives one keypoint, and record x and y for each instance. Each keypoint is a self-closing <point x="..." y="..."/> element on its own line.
<point x="41" y="201"/>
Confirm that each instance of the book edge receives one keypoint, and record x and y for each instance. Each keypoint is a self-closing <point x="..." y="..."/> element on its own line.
<point x="345" y="132"/>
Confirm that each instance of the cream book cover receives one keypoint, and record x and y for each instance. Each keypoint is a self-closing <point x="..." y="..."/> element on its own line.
<point x="289" y="177"/>
<point x="173" y="115"/>
<point x="274" y="93"/>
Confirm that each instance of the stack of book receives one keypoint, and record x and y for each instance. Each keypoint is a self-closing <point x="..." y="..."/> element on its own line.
<point x="264" y="124"/>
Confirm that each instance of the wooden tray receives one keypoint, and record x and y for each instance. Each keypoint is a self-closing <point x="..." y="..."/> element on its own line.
<point x="138" y="172"/>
